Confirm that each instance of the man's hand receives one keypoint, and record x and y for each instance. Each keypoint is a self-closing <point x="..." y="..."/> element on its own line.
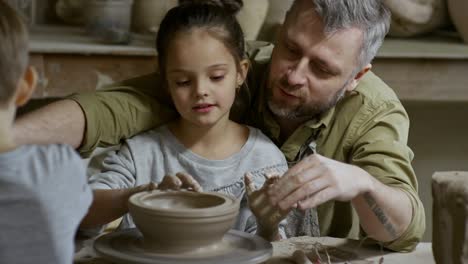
<point x="179" y="181"/>
<point x="267" y="215"/>
<point x="316" y="180"/>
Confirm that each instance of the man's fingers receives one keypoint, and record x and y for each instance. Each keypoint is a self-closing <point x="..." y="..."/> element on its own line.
<point x="317" y="199"/>
<point x="308" y="162"/>
<point x="249" y="185"/>
<point x="308" y="189"/>
<point x="189" y="182"/>
<point x="285" y="186"/>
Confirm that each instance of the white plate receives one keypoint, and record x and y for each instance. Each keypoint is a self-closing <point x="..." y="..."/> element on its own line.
<point x="236" y="247"/>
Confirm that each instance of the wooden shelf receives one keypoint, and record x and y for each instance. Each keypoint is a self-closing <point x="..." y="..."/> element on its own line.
<point x="432" y="68"/>
<point x="75" y="40"/>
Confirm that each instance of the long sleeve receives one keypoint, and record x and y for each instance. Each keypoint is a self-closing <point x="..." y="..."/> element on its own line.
<point x="118" y="172"/>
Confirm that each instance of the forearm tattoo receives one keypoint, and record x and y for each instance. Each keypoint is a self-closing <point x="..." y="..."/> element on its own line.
<point x="380" y="215"/>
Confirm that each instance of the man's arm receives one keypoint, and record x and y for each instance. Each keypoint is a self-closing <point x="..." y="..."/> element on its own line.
<point x="59" y="122"/>
<point x="382" y="218"/>
<point x="379" y="181"/>
<point x="317" y="179"/>
<point x="100" y="118"/>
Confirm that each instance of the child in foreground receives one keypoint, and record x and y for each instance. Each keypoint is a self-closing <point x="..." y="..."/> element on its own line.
<point x="43" y="189"/>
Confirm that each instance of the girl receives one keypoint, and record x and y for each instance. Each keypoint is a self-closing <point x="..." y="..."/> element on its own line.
<point x="202" y="66"/>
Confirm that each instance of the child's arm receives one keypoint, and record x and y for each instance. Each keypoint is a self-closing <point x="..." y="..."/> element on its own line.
<point x="268" y="216"/>
<point x="109" y="205"/>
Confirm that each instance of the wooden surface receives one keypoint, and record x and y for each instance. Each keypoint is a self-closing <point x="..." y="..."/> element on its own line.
<point x="347" y="251"/>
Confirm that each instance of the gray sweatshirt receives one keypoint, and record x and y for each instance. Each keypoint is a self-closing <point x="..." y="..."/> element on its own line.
<point x="154" y="154"/>
<point x="43" y="197"/>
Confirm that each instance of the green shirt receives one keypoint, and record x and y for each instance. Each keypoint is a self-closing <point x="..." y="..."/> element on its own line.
<point x="367" y="128"/>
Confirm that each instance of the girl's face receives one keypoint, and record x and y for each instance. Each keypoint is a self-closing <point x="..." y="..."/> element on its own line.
<point x="202" y="77"/>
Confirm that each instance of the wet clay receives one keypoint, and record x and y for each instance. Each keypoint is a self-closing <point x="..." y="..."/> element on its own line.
<point x="182" y="221"/>
<point x="450" y="210"/>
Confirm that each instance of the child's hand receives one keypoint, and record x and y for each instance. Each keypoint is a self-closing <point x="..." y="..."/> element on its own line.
<point x="144" y="188"/>
<point x="181" y="180"/>
<point x="268" y="216"/>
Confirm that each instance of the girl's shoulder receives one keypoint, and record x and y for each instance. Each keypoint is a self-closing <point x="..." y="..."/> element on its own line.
<point x="265" y="153"/>
<point x="261" y="140"/>
<point x="152" y="136"/>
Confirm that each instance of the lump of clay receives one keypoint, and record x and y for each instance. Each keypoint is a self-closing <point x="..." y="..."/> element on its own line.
<point x="450" y="217"/>
<point x="416" y="17"/>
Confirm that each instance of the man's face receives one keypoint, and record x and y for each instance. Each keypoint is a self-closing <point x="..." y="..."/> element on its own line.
<point x="310" y="71"/>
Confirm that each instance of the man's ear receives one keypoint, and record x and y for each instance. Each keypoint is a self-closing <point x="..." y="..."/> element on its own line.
<point x="26" y="86"/>
<point x="243" y="69"/>
<point x="357" y="78"/>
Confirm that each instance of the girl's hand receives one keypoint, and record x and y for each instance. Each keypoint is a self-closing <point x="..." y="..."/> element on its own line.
<point x="181" y="180"/>
<point x="144" y="188"/>
<point x="268" y="215"/>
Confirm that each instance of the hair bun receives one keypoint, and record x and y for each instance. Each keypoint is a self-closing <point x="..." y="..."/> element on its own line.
<point x="231" y="6"/>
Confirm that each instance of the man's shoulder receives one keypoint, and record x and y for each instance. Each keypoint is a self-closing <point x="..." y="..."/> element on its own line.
<point x="372" y="97"/>
<point x="374" y="90"/>
<point x="371" y="102"/>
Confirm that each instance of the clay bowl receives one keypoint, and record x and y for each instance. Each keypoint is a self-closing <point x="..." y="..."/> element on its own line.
<point x="182" y="221"/>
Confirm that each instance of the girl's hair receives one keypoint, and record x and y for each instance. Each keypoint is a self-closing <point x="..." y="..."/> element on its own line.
<point x="217" y="17"/>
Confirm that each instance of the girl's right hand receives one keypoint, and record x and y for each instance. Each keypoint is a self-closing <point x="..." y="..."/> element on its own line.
<point x="143" y="188"/>
<point x="179" y="181"/>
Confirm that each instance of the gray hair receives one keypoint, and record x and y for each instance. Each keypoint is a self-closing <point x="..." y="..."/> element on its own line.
<point x="371" y="16"/>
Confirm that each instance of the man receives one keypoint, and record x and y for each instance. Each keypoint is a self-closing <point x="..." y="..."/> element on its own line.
<point x="342" y="129"/>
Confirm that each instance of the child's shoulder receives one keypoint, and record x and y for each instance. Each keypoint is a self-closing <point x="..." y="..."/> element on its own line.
<point x="52" y="158"/>
<point x="54" y="152"/>
<point x="148" y="141"/>
<point x="152" y="135"/>
<point x="261" y="140"/>
<point x="264" y="148"/>
<point x="43" y="164"/>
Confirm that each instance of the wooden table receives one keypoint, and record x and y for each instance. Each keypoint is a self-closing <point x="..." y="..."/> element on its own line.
<point x="283" y="250"/>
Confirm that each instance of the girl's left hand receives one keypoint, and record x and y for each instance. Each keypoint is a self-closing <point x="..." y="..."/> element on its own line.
<point x="268" y="215"/>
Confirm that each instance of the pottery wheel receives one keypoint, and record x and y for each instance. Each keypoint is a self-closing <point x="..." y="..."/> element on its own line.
<point x="236" y="247"/>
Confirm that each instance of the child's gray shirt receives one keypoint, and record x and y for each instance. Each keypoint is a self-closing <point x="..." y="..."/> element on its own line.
<point x="154" y="154"/>
<point x="44" y="195"/>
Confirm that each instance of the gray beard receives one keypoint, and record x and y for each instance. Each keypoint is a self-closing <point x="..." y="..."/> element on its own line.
<point x="305" y="112"/>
